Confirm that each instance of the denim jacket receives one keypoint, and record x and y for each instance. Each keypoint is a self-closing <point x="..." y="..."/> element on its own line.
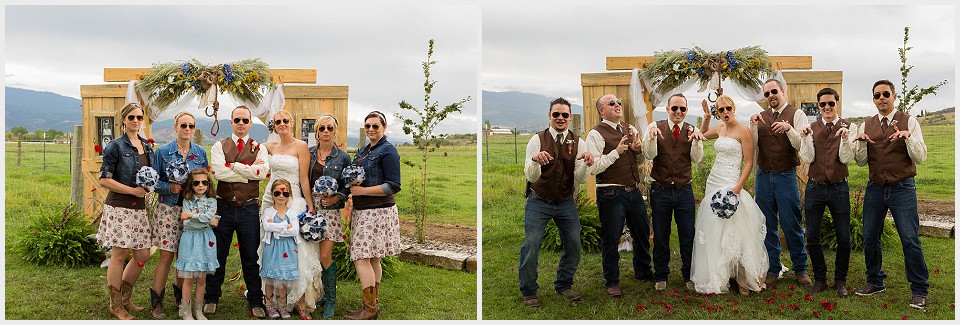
<point x="333" y="167"/>
<point x="197" y="158"/>
<point x="121" y="160"/>
<point x="204" y="211"/>
<point x="381" y="165"/>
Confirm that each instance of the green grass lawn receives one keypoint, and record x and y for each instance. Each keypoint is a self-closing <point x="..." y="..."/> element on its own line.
<point x="451" y="185"/>
<point x="41" y="292"/>
<point x="502" y="221"/>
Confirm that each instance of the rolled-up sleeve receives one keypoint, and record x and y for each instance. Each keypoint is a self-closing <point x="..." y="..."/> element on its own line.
<point x="391" y="171"/>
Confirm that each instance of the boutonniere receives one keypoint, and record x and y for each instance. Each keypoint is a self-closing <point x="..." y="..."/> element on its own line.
<point x="254" y="146"/>
<point x="894" y="123"/>
<point x="843" y="125"/>
<point x="690" y="128"/>
<point x="569" y="146"/>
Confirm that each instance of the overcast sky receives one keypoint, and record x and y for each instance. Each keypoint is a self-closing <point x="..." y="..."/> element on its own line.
<point x="544" y="49"/>
<point x="375" y="50"/>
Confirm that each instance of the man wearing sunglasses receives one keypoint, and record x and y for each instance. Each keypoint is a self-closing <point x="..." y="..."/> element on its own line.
<point x="239" y="164"/>
<point x="618" y="197"/>
<point x="673" y="145"/>
<point x="777" y="193"/>
<point x="827" y="147"/>
<point x="892" y="144"/>
<point x="556" y="164"/>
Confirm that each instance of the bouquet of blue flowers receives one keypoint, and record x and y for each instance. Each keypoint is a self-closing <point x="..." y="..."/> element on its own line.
<point x="724" y="203"/>
<point x="325" y="185"/>
<point x="147" y="177"/>
<point x="352" y="175"/>
<point x="312" y="226"/>
<point x="177" y="171"/>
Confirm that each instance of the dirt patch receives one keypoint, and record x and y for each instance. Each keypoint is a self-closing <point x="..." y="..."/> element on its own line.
<point x="451" y="234"/>
<point x="937" y="208"/>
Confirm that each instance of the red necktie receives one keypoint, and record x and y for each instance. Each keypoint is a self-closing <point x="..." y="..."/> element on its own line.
<point x="676" y="132"/>
<point x="239" y="145"/>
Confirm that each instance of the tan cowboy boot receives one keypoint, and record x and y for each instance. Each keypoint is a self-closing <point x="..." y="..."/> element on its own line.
<point x="198" y="310"/>
<point x="184" y="310"/>
<point x="116" y="304"/>
<point x="126" y="290"/>
<point x="370" y="309"/>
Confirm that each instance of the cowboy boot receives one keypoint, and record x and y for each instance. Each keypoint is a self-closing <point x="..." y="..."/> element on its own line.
<point x="329" y="290"/>
<point x="375" y="302"/>
<point x="369" y="309"/>
<point x="116" y="304"/>
<point x="177" y="293"/>
<point x="354" y="311"/>
<point x="156" y="304"/>
<point x="184" y="310"/>
<point x="126" y="290"/>
<point x="198" y="310"/>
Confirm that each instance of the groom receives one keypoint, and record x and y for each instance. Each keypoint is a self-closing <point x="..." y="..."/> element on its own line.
<point x="671" y="194"/>
<point x="778" y="195"/>
<point x="239" y="164"/>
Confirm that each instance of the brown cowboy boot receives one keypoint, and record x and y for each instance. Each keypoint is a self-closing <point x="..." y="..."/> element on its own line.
<point x="126" y="290"/>
<point x="156" y="303"/>
<point x="116" y="304"/>
<point x="370" y="309"/>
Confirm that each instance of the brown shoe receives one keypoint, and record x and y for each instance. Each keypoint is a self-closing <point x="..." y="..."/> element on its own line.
<point x="259" y="312"/>
<point x="531" y="301"/>
<point x="156" y="304"/>
<point x="370" y="309"/>
<point x="126" y="290"/>
<point x="817" y="287"/>
<point x="770" y="280"/>
<point x="116" y="304"/>
<point x="614" y="291"/>
<point x="570" y="294"/>
<point x="841" y="289"/>
<point x="804" y="279"/>
<point x="209" y="308"/>
<point x="919" y="302"/>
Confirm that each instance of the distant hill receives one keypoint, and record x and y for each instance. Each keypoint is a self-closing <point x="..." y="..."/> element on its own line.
<point x="41" y="110"/>
<point x="944" y="116"/>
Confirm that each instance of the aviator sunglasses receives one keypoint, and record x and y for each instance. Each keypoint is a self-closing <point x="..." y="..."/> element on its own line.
<point x="283" y="121"/>
<point x="374" y="126"/>
<point x="615" y="102"/>
<point x="831" y="103"/>
<point x="675" y="108"/>
<point x="236" y="120"/>
<point x="558" y="114"/>
<point x="134" y="117"/>
<point x="771" y="92"/>
<point x="185" y="126"/>
<point x="324" y="128"/>
<point x="886" y="94"/>
<point x="204" y="182"/>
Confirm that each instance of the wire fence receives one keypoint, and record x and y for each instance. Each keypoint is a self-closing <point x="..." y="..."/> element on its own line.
<point x="45" y="156"/>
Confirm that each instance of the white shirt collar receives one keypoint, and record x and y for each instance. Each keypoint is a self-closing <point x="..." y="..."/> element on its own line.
<point x="824" y="121"/>
<point x="554" y="132"/>
<point x="235" y="138"/>
<point x="779" y="109"/>
<point x="888" y="116"/>
<point x="670" y="124"/>
<point x="611" y="124"/>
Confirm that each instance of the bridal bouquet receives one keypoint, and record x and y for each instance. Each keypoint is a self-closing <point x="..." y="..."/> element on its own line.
<point x="147" y="177"/>
<point x="325" y="185"/>
<point x="724" y="203"/>
<point x="352" y="175"/>
<point x="176" y="171"/>
<point x="312" y="226"/>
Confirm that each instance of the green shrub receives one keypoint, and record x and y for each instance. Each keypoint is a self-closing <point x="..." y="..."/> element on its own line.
<point x="828" y="234"/>
<point x="61" y="240"/>
<point x="345" y="269"/>
<point x="589" y="227"/>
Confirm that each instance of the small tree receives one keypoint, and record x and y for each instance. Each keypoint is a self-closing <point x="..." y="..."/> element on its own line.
<point x="424" y="138"/>
<point x="911" y="96"/>
<point x="19" y="131"/>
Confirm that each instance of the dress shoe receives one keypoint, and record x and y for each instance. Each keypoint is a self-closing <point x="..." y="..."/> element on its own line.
<point x="690" y="285"/>
<point x="660" y="285"/>
<point x="817" y="287"/>
<point x="614" y="291"/>
<point x="258" y="312"/>
<point x="570" y="294"/>
<point x="919" y="302"/>
<point x="210" y="308"/>
<point x="804" y="279"/>
<point x="770" y="280"/>
<point x="841" y="289"/>
<point x="531" y="301"/>
<point x="869" y="290"/>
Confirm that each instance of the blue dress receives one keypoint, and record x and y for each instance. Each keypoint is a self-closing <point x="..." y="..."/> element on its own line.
<point x="198" y="244"/>
<point x="280" y="252"/>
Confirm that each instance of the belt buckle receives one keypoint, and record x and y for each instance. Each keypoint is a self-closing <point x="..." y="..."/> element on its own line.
<point x="629" y="188"/>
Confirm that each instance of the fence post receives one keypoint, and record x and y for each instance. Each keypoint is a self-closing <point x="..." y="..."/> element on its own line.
<point x="44" y="151"/>
<point x="76" y="174"/>
<point x="19" y="145"/>
<point x="516" y="155"/>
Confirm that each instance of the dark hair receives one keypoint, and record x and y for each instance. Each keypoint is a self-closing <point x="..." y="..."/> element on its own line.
<point x="884" y="82"/>
<point x="560" y="101"/>
<point x="188" y="193"/>
<point x="675" y="95"/>
<point x="383" y="118"/>
<point x="828" y="91"/>
<point x="243" y="107"/>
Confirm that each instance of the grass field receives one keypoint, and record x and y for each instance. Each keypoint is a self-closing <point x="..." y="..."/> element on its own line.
<point x="35" y="292"/>
<point x="502" y="221"/>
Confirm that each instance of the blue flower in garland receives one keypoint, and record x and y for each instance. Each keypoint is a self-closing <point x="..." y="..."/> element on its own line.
<point x="196" y="85"/>
<point x="186" y="68"/>
<point x="700" y="72"/>
<point x="690" y="55"/>
<point x="226" y="68"/>
<point x="729" y="55"/>
<point x="733" y="64"/>
<point x="228" y="77"/>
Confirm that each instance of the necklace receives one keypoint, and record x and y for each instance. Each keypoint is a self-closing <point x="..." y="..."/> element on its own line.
<point x="183" y="151"/>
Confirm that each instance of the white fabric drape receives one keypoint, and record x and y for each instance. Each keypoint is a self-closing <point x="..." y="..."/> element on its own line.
<point x="639" y="102"/>
<point x="732" y="89"/>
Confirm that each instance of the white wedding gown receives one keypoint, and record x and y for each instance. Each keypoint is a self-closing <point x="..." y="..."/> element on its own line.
<point x="728" y="248"/>
<point x="309" y="285"/>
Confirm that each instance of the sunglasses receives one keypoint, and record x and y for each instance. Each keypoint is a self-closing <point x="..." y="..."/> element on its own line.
<point x="831" y="103"/>
<point x="185" y="126"/>
<point x="728" y="109"/>
<point x="324" y="128"/>
<point x="771" y="92"/>
<point x="374" y="126"/>
<point x="134" y="117"/>
<point x="278" y="193"/>
<point x="675" y="108"/>
<point x="283" y="121"/>
<point x="615" y="102"/>
<point x="886" y="94"/>
<point x="558" y="114"/>
<point x="204" y="182"/>
<point x="236" y="120"/>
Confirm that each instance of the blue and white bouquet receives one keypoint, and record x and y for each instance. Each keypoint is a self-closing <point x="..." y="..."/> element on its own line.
<point x="325" y="185"/>
<point x="312" y="226"/>
<point x="352" y="175"/>
<point x="724" y="203"/>
<point x="177" y="171"/>
<point x="147" y="177"/>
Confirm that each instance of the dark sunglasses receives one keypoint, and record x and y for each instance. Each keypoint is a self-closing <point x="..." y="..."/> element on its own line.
<point x="886" y="94"/>
<point x="831" y="103"/>
<point x="236" y="120"/>
<point x="140" y="117"/>
<point x="278" y="193"/>
<point x="185" y="125"/>
<point x="323" y="128"/>
<point x="615" y="102"/>
<point x="675" y="108"/>
<point x="374" y="126"/>
<point x="204" y="182"/>
<point x="771" y="92"/>
<point x="558" y="114"/>
<point x="278" y="122"/>
<point x="728" y="109"/>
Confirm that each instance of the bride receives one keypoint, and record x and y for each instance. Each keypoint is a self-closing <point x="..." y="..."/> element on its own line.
<point x="289" y="158"/>
<point x="726" y="249"/>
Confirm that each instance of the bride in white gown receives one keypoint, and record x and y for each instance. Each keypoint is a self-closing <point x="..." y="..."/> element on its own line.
<point x="288" y="157"/>
<point x="729" y="248"/>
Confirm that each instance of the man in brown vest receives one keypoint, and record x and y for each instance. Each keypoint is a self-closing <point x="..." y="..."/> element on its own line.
<point x="777" y="192"/>
<point x="618" y="197"/>
<point x="555" y="164"/>
<point x="239" y="164"/>
<point x="671" y="194"/>
<point x="892" y="144"/>
<point x="827" y="146"/>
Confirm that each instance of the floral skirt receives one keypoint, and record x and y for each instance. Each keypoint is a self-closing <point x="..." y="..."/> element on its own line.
<point x="334" y="222"/>
<point x="166" y="227"/>
<point x="374" y="233"/>
<point x="124" y="228"/>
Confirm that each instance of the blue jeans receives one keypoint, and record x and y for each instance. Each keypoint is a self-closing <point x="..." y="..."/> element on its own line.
<point x="618" y="207"/>
<point x="245" y="220"/>
<point x="817" y="198"/>
<point x="667" y="204"/>
<point x="536" y="216"/>
<point x="901" y="199"/>
<point x="779" y="195"/>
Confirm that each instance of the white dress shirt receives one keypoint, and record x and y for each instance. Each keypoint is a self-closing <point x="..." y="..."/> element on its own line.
<point x="847" y="148"/>
<point x="237" y="172"/>
<point x="650" y="145"/>
<point x="916" y="148"/>
<point x="595" y="146"/>
<point x="532" y="168"/>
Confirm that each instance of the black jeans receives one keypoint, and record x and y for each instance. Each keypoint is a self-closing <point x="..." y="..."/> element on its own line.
<point x="618" y="207"/>
<point x="818" y="197"/>
<point x="667" y="204"/>
<point x="245" y="220"/>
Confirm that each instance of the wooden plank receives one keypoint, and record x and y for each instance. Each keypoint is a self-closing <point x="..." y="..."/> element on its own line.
<point x="805" y="77"/>
<point x="114" y="90"/>
<point x="316" y="91"/>
<point x="781" y="62"/>
<point x="604" y="79"/>
<point x="284" y="75"/>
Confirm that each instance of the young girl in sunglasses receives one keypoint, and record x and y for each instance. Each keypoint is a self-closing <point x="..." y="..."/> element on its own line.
<point x="278" y="265"/>
<point x="198" y="245"/>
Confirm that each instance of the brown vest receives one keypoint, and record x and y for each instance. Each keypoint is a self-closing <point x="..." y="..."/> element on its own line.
<point x="888" y="160"/>
<point x="239" y="193"/>
<point x="556" y="178"/>
<point x="624" y="170"/>
<point x="671" y="167"/>
<point x="775" y="153"/>
<point x="826" y="165"/>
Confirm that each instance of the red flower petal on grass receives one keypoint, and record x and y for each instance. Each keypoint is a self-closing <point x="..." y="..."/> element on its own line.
<point x="736" y="311"/>
<point x="816" y="314"/>
<point x="937" y="271"/>
<point x="846" y="310"/>
<point x="904" y="318"/>
<point x="884" y="305"/>
<point x="792" y="287"/>
<point x="640" y="308"/>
